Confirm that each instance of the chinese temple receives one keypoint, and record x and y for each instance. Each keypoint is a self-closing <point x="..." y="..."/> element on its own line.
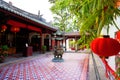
<point x="20" y="29"/>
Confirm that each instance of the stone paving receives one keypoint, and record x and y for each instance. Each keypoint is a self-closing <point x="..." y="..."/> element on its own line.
<point x="41" y="67"/>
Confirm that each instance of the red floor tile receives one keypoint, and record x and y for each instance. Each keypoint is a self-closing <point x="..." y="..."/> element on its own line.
<point x="74" y="67"/>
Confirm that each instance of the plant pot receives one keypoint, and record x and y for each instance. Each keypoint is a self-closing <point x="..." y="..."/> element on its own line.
<point x="44" y="49"/>
<point x="2" y="59"/>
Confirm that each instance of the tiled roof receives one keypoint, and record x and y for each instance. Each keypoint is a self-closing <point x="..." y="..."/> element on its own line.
<point x="72" y="34"/>
<point x="25" y="14"/>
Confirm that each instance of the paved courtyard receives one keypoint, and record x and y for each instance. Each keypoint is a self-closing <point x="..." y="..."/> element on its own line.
<point x="41" y="67"/>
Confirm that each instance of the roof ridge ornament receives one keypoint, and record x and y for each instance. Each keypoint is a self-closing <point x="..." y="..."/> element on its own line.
<point x="10" y="3"/>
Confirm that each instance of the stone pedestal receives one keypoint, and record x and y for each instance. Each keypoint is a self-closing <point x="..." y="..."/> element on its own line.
<point x="28" y="51"/>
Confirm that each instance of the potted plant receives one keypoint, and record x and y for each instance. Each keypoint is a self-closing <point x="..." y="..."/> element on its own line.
<point x="3" y="53"/>
<point x="44" y="48"/>
<point x="2" y="56"/>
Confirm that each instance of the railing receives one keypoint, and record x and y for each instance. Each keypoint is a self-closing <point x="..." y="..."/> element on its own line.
<point x="97" y="75"/>
<point x="110" y="76"/>
<point x="109" y="73"/>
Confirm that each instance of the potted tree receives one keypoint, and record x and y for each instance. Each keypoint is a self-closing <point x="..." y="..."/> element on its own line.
<point x="2" y="56"/>
<point x="3" y="53"/>
<point x="44" y="48"/>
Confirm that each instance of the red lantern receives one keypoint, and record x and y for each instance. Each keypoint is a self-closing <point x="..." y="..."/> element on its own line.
<point x="105" y="46"/>
<point x="4" y="27"/>
<point x="15" y="29"/>
<point x="118" y="3"/>
<point x="117" y="36"/>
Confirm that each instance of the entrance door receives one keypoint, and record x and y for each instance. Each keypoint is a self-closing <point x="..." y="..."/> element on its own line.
<point x="46" y="43"/>
<point x="35" y="42"/>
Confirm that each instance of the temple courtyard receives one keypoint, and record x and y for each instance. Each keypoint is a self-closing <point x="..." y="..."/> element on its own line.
<point x="76" y="66"/>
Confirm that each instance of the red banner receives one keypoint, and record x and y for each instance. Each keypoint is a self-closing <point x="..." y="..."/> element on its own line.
<point x="22" y="25"/>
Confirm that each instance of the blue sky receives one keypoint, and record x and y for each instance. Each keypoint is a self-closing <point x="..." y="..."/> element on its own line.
<point x="34" y="6"/>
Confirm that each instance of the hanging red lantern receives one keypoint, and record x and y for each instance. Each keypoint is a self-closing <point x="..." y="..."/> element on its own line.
<point x="118" y="3"/>
<point x="15" y="29"/>
<point x="105" y="46"/>
<point x="4" y="27"/>
<point x="117" y="36"/>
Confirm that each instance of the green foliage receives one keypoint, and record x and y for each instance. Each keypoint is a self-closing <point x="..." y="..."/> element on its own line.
<point x="44" y="48"/>
<point x="63" y="19"/>
<point x="97" y="14"/>
<point x="3" y="52"/>
<point x="51" y="1"/>
<point x="87" y="16"/>
<point x="5" y="47"/>
<point x="72" y="43"/>
<point x="117" y="61"/>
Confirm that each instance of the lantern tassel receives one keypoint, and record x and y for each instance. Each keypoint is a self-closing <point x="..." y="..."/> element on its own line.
<point x="109" y="69"/>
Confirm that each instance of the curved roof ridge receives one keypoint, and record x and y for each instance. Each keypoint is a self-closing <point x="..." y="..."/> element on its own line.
<point x="24" y="13"/>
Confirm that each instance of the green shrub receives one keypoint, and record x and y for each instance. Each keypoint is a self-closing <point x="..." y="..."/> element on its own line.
<point x="44" y="48"/>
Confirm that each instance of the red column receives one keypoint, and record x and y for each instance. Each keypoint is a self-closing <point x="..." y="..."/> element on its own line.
<point x="40" y="41"/>
<point x="53" y="43"/>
